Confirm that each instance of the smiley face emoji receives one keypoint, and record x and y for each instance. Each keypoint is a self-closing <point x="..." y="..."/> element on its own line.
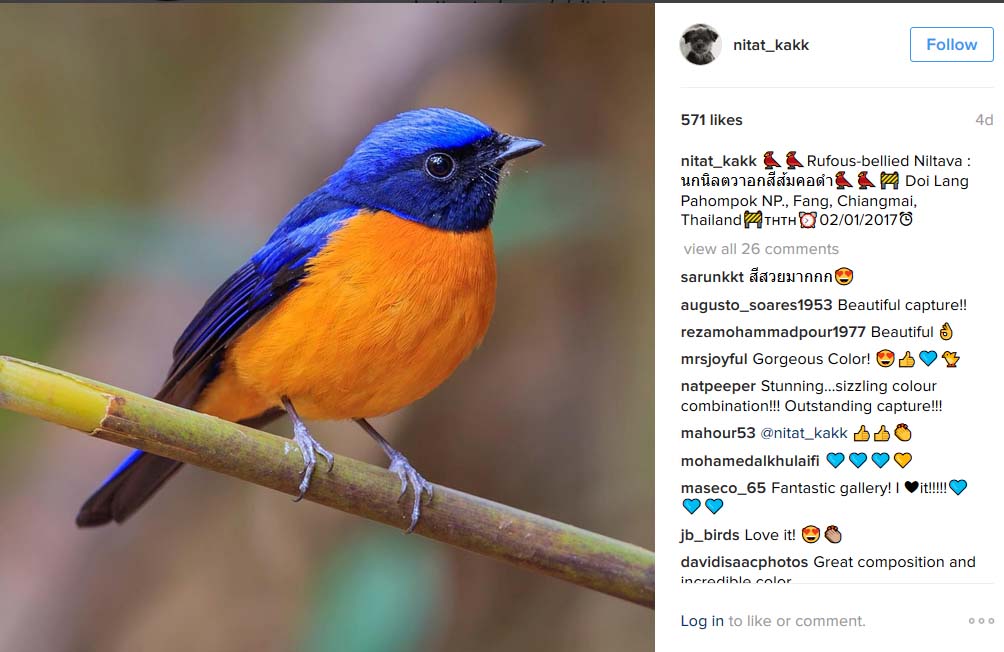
<point x="885" y="358"/>
<point x="810" y="534"/>
<point x="844" y="276"/>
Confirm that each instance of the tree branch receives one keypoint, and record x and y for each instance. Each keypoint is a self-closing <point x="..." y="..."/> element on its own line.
<point x="563" y="551"/>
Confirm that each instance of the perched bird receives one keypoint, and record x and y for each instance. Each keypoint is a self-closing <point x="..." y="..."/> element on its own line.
<point x="365" y="298"/>
<point x="792" y="161"/>
<point x="843" y="182"/>
<point x="768" y="160"/>
<point x="863" y="182"/>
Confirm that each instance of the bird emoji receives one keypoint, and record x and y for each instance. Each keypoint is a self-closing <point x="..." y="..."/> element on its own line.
<point x="842" y="182"/>
<point x="951" y="357"/>
<point x="863" y="182"/>
<point x="768" y="160"/>
<point x="366" y="297"/>
<point x="792" y="161"/>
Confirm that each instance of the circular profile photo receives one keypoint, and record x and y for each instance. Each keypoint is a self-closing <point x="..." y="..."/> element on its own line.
<point x="700" y="44"/>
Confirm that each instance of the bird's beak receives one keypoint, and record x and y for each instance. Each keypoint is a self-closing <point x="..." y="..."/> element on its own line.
<point x="514" y="147"/>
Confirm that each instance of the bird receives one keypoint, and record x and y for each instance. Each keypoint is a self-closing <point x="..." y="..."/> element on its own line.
<point x="768" y="160"/>
<point x="951" y="358"/>
<point x="843" y="182"/>
<point x="366" y="297"/>
<point x="863" y="182"/>
<point x="792" y="161"/>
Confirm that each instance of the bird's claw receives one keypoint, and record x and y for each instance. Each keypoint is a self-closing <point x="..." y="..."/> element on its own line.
<point x="420" y="486"/>
<point x="309" y="449"/>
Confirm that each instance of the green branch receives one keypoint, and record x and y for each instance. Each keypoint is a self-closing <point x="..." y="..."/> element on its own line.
<point x="563" y="551"/>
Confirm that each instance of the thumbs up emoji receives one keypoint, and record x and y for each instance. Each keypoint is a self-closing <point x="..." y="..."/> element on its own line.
<point x="882" y="434"/>
<point x="862" y="435"/>
<point x="946" y="332"/>
<point x="907" y="360"/>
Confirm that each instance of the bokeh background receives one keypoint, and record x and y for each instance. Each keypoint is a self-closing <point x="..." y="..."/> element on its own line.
<point x="146" y="151"/>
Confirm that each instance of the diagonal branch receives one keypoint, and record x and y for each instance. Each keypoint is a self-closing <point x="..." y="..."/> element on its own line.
<point x="563" y="551"/>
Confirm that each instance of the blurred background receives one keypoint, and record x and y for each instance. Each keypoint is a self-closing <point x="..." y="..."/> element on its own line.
<point x="147" y="151"/>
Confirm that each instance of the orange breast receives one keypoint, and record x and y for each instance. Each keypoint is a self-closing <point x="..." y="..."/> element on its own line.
<point x="388" y="310"/>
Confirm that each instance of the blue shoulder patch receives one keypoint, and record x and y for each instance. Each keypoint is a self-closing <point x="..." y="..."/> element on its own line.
<point x="302" y="233"/>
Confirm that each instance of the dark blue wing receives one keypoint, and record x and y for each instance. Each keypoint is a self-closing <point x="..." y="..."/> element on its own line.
<point x="244" y="298"/>
<point x="249" y="294"/>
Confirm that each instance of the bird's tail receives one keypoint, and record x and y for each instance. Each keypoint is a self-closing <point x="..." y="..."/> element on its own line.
<point x="137" y="478"/>
<point x="128" y="487"/>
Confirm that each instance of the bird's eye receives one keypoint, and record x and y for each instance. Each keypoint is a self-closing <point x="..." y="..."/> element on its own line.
<point x="440" y="165"/>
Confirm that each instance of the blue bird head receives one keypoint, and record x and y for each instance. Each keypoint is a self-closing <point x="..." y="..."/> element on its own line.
<point x="437" y="166"/>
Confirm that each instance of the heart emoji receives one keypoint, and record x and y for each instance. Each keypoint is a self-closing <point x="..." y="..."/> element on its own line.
<point x="713" y="504"/>
<point x="911" y="485"/>
<point x="691" y="505"/>
<point x="958" y="486"/>
<point x="902" y="459"/>
<point x="885" y="358"/>
<point x="880" y="459"/>
<point x="927" y="357"/>
<point x="857" y="459"/>
<point x="835" y="459"/>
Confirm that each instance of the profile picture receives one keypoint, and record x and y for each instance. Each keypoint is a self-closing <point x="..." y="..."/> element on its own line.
<point x="700" y="44"/>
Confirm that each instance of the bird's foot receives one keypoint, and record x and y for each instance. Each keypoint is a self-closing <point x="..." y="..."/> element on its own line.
<point x="405" y="471"/>
<point x="310" y="449"/>
<point x="419" y="486"/>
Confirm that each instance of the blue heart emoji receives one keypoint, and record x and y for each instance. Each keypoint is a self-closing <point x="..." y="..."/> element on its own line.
<point x="713" y="504"/>
<point x="880" y="459"/>
<point x="927" y="357"/>
<point x="857" y="459"/>
<point x="958" y="486"/>
<point x="691" y="505"/>
<point x="835" y="459"/>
